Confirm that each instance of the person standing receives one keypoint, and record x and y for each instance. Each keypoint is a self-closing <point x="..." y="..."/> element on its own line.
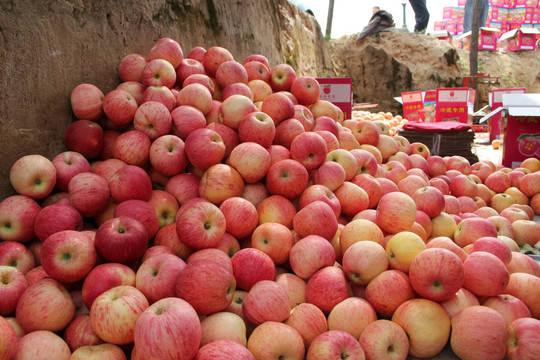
<point x="381" y="20"/>
<point x="467" y="19"/>
<point x="421" y="15"/>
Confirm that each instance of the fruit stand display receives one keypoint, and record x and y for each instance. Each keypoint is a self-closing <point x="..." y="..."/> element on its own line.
<point x="216" y="208"/>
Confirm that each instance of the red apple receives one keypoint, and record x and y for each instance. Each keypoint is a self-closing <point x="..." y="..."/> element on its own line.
<point x="33" y="176"/>
<point x="335" y="344"/>
<point x="131" y="67"/>
<point x="104" y="277"/>
<point x="86" y="102"/>
<point x="251" y="266"/>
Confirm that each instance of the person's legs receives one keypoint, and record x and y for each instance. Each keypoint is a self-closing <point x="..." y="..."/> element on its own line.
<point x="484" y="9"/>
<point x="421" y="14"/>
<point x="467" y="18"/>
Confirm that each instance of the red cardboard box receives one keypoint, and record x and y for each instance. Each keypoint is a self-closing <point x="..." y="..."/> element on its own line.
<point x="487" y="39"/>
<point x="453" y="104"/>
<point x="412" y="103"/>
<point x="339" y="92"/>
<point x="520" y="39"/>
<point x="521" y="127"/>
<point x="495" y="101"/>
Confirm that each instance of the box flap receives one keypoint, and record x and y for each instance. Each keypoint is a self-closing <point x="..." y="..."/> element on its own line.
<point x="524" y="111"/>
<point x="508" y="35"/>
<point x="521" y="100"/>
<point x="524" y="30"/>
<point x="491" y="114"/>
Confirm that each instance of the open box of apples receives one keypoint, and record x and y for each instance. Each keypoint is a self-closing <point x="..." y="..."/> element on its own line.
<point x="209" y="208"/>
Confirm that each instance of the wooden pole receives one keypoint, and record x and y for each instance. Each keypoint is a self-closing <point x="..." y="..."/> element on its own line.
<point x="329" y="19"/>
<point x="473" y="53"/>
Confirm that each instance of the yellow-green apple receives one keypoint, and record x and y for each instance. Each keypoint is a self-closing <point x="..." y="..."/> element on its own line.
<point x="501" y="201"/>
<point x="335" y="344"/>
<point x="18" y="256"/>
<point x="522" y="339"/>
<point x="167" y="49"/>
<point x="86" y="101"/>
<point x="352" y="197"/>
<point x="420" y="149"/>
<point x="257" y="127"/>
<point x="8" y="339"/>
<point x="220" y="182"/>
<point x="367" y="162"/>
<point x="308" y="320"/>
<point x="346" y="159"/>
<point x="523" y="263"/>
<point x="168" y="329"/>
<point x="532" y="164"/>
<point x="196" y="95"/>
<point x="436" y="274"/>
<point x="384" y="340"/>
<point x="387" y="291"/>
<point x="33" y="175"/>
<point x="68" y="164"/>
<point x="185" y="119"/>
<point x="518" y="196"/>
<point x="45" y="305"/>
<point x="306" y="89"/>
<point x="295" y="287"/>
<point x="470" y="229"/>
<point x="133" y="147"/>
<point x="402" y="248"/>
<point x="273" y="340"/>
<point x="121" y="239"/>
<point x="104" y="277"/>
<point x="79" y="333"/>
<point x="510" y="307"/>
<point x="266" y="301"/>
<point x="287" y="178"/>
<point x="68" y="256"/>
<point x="223" y="325"/>
<point x="278" y="106"/>
<point x="165" y="206"/>
<point x="17" y="216"/>
<point x="13" y="286"/>
<point x="427" y="326"/>
<point x="260" y="89"/>
<point x="351" y="315"/>
<point x="282" y="76"/>
<point x="493" y="245"/>
<point x="251" y="160"/>
<point x="363" y="261"/>
<point x="324" y="107"/>
<point x="119" y="107"/>
<point x="459" y="301"/>
<point x="510" y="242"/>
<point x="156" y="276"/>
<point x="447" y="243"/>
<point x="140" y="210"/>
<point x="309" y="148"/>
<point x="498" y="181"/>
<point x="153" y="118"/>
<point x="503" y="225"/>
<point x="200" y="224"/>
<point x="316" y="218"/>
<point x="186" y="68"/>
<point x="158" y="72"/>
<point x="305" y="116"/>
<point x="286" y="131"/>
<point x="478" y="332"/>
<point x="462" y="185"/>
<point x="278" y="209"/>
<point x="322" y="193"/>
<point x="310" y="254"/>
<point x="183" y="186"/>
<point x="241" y="216"/>
<point x="100" y="351"/>
<point x="485" y="274"/>
<point x="525" y="287"/>
<point x="251" y="266"/>
<point x="225" y="350"/>
<point x="206" y="285"/>
<point x="327" y="287"/>
<point x="396" y="212"/>
<point x="233" y="110"/>
<point x="204" y="147"/>
<point x="443" y="225"/>
<point x="115" y="312"/>
<point x="359" y="230"/>
<point x="161" y="94"/>
<point x="274" y="239"/>
<point x="526" y="232"/>
<point x="41" y="345"/>
<point x="89" y="193"/>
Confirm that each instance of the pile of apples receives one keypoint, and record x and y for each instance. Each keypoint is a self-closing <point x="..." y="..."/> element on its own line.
<point x="387" y="122"/>
<point x="208" y="208"/>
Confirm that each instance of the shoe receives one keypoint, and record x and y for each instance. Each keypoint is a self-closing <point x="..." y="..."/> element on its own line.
<point x="423" y="31"/>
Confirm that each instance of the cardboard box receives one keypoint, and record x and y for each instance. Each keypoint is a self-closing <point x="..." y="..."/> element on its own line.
<point x="441" y="35"/>
<point x="454" y="104"/>
<point x="495" y="101"/>
<point x="487" y="39"/>
<point x="438" y="25"/>
<point x="339" y="92"/>
<point x="412" y="102"/>
<point x="521" y="127"/>
<point x="453" y="12"/>
<point x="516" y="15"/>
<point x="520" y="39"/>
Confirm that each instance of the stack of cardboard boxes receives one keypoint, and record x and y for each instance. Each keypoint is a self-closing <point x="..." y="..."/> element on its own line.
<point x="512" y="25"/>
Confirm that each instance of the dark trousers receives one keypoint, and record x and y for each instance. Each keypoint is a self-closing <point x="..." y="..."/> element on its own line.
<point x="421" y="14"/>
